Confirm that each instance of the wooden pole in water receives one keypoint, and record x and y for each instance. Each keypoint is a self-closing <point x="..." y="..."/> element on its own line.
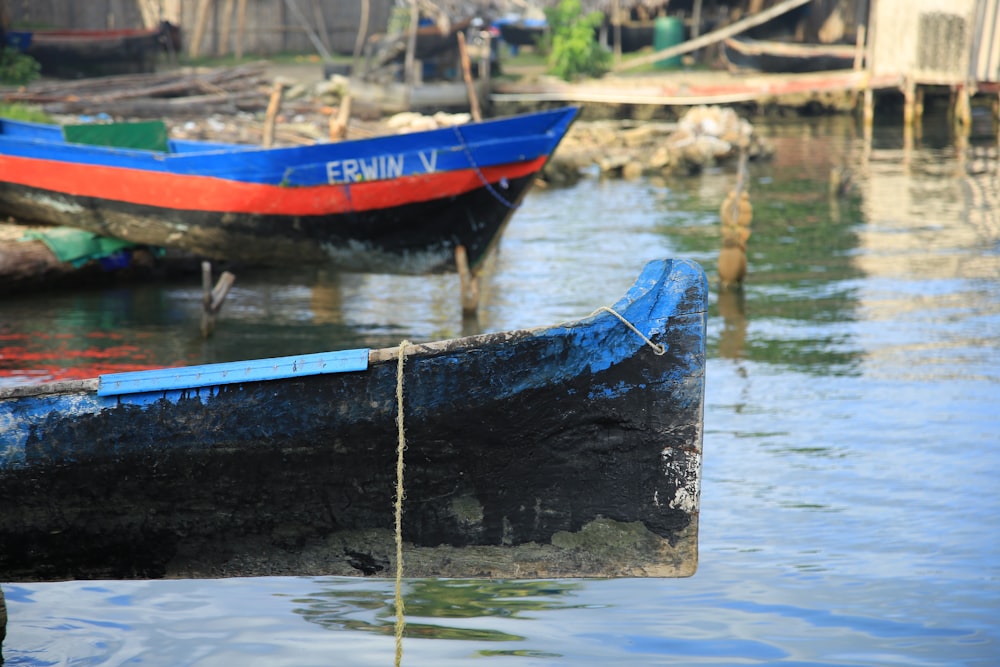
<point x="736" y="214"/>
<point x="3" y="623"/>
<point x="469" y="282"/>
<point x="213" y="298"/>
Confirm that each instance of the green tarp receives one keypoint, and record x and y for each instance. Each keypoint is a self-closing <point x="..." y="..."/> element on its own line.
<point x="77" y="246"/>
<point x="147" y="135"/>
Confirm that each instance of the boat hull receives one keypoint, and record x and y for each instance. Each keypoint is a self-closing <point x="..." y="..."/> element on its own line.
<point x="81" y="53"/>
<point x="783" y="57"/>
<point x="571" y="450"/>
<point x="392" y="204"/>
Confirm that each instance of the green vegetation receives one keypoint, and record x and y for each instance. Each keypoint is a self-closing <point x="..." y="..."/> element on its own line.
<point x="575" y="51"/>
<point x="17" y="68"/>
<point x="24" y="112"/>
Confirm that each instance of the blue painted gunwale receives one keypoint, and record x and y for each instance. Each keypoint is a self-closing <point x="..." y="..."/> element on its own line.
<point x="582" y="348"/>
<point x="479" y="145"/>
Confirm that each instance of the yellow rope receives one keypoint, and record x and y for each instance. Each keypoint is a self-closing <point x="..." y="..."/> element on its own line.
<point x="401" y="446"/>
<point x="658" y="348"/>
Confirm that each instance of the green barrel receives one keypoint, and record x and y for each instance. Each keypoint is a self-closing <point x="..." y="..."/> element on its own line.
<point x="667" y="31"/>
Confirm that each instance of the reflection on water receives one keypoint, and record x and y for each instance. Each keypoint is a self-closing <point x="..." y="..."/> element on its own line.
<point x="732" y="309"/>
<point x="849" y="487"/>
<point x="445" y="601"/>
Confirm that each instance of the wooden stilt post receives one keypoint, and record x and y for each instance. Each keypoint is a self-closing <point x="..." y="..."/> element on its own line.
<point x="735" y="214"/>
<point x="963" y="109"/>
<point x="909" y="101"/>
<point x="469" y="282"/>
<point x="273" y="105"/>
<point x="199" y="28"/>
<point x="213" y="298"/>
<point x="225" y="27"/>
<point x="469" y="83"/>
<point x="409" y="62"/>
<point x="869" y="111"/>
<point x="3" y="623"/>
<point x="359" y="41"/>
<point x="241" y="22"/>
<point x="340" y="120"/>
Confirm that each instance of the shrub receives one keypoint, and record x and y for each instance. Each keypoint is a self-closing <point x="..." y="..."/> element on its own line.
<point x="575" y="51"/>
<point x="17" y="68"/>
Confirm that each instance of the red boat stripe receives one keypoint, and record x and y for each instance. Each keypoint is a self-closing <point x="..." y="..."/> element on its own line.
<point x="205" y="193"/>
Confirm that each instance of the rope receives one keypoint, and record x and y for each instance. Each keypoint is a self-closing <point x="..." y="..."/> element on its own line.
<point x="475" y="167"/>
<point x="401" y="446"/>
<point x="658" y="348"/>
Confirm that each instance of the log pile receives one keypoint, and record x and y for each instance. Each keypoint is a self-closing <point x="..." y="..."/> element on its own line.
<point x="176" y="94"/>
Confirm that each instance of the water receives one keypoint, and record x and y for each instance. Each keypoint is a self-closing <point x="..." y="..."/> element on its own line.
<point x="849" y="509"/>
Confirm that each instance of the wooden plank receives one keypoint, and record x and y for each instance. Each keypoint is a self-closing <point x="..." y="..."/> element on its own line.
<point x="211" y="375"/>
<point x="712" y="37"/>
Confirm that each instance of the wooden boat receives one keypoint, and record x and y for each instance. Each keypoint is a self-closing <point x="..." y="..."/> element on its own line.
<point x="522" y="32"/>
<point x="80" y="53"/>
<point x="635" y="35"/>
<point x="396" y="204"/>
<point x="786" y="57"/>
<point x="431" y="42"/>
<point x="565" y="450"/>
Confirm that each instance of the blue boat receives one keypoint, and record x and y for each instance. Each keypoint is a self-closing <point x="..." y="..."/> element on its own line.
<point x="565" y="450"/>
<point x="392" y="204"/>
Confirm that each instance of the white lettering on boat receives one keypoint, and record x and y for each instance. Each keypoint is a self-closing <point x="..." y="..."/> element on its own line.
<point x="430" y="166"/>
<point x="353" y="170"/>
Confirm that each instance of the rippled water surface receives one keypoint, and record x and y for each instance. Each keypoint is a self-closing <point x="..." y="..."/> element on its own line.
<point x="850" y="506"/>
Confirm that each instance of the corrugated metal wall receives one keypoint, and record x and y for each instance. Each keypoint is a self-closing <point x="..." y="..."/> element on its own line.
<point x="935" y="42"/>
<point x="92" y="14"/>
<point x="986" y="46"/>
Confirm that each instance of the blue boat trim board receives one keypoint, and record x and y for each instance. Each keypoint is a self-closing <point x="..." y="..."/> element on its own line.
<point x="396" y="204"/>
<point x="565" y="450"/>
<point x="255" y="370"/>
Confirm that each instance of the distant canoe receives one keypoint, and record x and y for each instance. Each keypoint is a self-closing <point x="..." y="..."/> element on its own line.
<point x="392" y="204"/>
<point x="80" y="53"/>
<point x="566" y="450"/>
<point x="636" y="35"/>
<point x="431" y="42"/>
<point x="786" y="57"/>
<point x="522" y="32"/>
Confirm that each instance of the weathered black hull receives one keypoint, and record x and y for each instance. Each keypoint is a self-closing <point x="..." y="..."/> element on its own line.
<point x="788" y="58"/>
<point x="522" y="34"/>
<point x="568" y="451"/>
<point x="73" y="54"/>
<point x="415" y="238"/>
